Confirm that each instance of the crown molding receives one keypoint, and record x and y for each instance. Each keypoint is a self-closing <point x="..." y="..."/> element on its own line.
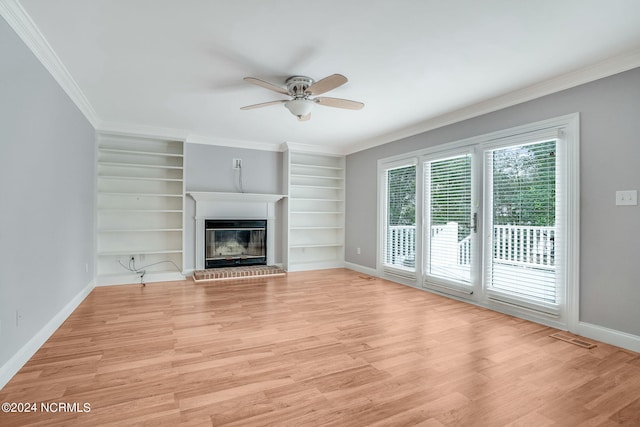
<point x="20" y="21"/>
<point x="140" y="131"/>
<point x="599" y="70"/>
<point x="175" y="134"/>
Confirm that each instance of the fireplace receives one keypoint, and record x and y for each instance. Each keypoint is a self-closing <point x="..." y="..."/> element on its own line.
<point x="248" y="206"/>
<point x="230" y="243"/>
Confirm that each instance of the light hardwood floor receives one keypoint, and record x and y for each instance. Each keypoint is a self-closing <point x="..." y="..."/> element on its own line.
<point x="316" y="348"/>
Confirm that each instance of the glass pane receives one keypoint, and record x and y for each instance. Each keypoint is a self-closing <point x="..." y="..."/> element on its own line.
<point x="449" y="196"/>
<point x="524" y="222"/>
<point x="400" y="250"/>
<point x="238" y="243"/>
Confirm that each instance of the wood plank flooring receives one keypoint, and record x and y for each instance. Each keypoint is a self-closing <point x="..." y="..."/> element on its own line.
<point x="324" y="348"/>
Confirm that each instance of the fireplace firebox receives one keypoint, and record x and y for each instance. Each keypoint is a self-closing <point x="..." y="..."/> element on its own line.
<point x="230" y="243"/>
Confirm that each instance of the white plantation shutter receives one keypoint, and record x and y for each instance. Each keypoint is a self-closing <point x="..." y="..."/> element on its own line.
<point x="400" y="218"/>
<point x="448" y="195"/>
<point x="525" y="233"/>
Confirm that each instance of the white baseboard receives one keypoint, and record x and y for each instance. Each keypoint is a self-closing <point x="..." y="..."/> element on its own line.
<point x="393" y="278"/>
<point x="315" y="266"/>
<point x="132" y="279"/>
<point x="22" y="356"/>
<point x="609" y="336"/>
<point x="587" y="330"/>
<point x="361" y="269"/>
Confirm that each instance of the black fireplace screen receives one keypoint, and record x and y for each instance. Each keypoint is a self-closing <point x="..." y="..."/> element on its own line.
<point x="235" y="242"/>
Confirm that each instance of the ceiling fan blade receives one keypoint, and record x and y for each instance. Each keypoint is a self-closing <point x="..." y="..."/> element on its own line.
<point x="326" y="84"/>
<point x="266" y="85"/>
<point x="304" y="118"/>
<point x="264" y="104"/>
<point x="339" y="103"/>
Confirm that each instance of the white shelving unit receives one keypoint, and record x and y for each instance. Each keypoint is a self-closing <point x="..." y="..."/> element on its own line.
<point x="140" y="205"/>
<point x="315" y="211"/>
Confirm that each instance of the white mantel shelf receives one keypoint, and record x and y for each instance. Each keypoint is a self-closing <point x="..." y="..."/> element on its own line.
<point x="209" y="196"/>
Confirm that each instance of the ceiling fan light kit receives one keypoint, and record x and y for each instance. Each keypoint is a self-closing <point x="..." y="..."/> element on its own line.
<point x="300" y="89"/>
<point x="299" y="107"/>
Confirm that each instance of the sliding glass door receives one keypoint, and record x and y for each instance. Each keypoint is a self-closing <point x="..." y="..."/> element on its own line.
<point x="450" y="221"/>
<point x="492" y="219"/>
<point x="523" y="240"/>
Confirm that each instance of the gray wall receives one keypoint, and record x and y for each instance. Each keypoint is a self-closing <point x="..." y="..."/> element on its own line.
<point x="610" y="151"/>
<point x="46" y="196"/>
<point x="209" y="168"/>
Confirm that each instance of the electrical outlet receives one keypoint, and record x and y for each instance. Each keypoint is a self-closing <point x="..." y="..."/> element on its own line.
<point x="86" y="268"/>
<point x="18" y="318"/>
<point x="358" y="251"/>
<point x="237" y="163"/>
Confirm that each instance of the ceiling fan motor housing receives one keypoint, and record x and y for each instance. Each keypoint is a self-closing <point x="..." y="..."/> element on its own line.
<point x="297" y="86"/>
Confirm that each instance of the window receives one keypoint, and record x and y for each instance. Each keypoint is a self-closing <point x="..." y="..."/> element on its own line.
<point x="400" y="218"/>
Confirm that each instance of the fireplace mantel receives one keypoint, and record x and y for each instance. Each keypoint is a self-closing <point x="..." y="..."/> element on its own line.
<point x="220" y="205"/>
<point x="212" y="196"/>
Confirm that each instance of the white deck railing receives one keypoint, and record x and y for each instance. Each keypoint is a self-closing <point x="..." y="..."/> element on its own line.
<point x="527" y="245"/>
<point x="521" y="245"/>
<point x="401" y="245"/>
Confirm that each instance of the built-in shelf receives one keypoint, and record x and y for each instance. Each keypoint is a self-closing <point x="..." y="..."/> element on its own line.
<point x="315" y="211"/>
<point x="144" y="153"/>
<point x="139" y="165"/>
<point x="328" y="187"/>
<point x="317" y="176"/>
<point x="140" y="194"/>
<point x="140" y="208"/>
<point x="317" y="228"/>
<point x="317" y="245"/>
<point x="317" y="199"/>
<point x="139" y="230"/>
<point x="139" y="178"/>
<point x="308" y="166"/>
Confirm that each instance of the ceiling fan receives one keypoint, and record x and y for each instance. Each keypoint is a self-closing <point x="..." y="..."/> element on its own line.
<point x="301" y="89"/>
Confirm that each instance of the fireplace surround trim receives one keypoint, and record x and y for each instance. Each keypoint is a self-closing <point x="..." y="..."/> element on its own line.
<point x="224" y="205"/>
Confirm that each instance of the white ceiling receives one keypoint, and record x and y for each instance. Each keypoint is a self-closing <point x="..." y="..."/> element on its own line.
<point x="176" y="67"/>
